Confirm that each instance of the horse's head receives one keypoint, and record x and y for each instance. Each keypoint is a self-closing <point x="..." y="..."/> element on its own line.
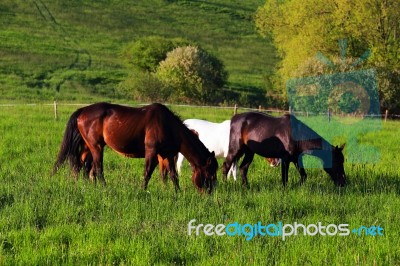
<point x="336" y="172"/>
<point x="205" y="177"/>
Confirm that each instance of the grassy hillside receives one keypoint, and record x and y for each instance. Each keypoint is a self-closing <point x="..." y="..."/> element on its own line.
<point x="70" y="50"/>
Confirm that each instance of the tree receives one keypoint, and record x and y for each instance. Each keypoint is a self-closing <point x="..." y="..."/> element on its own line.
<point x="302" y="28"/>
<point x="192" y="75"/>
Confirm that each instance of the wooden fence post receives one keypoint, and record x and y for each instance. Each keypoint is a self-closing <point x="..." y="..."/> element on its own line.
<point x="329" y="115"/>
<point x="386" y="114"/>
<point x="235" y="109"/>
<point x="55" y="110"/>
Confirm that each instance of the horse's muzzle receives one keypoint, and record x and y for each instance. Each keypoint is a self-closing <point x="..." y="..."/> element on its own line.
<point x="215" y="183"/>
<point x="210" y="185"/>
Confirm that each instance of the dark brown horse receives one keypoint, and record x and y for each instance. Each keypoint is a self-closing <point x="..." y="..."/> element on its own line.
<point x="163" y="163"/>
<point x="137" y="133"/>
<point x="280" y="137"/>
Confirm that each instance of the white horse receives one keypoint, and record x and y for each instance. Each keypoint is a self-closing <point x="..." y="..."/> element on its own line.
<point x="215" y="136"/>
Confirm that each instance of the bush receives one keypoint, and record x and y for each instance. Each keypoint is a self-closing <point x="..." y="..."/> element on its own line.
<point x="146" y="53"/>
<point x="144" y="86"/>
<point x="192" y="75"/>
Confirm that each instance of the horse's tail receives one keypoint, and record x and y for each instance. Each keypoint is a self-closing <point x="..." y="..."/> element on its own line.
<point x="71" y="145"/>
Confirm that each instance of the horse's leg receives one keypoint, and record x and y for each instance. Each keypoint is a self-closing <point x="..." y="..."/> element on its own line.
<point x="299" y="166"/>
<point x="94" y="142"/>
<point x="285" y="170"/>
<point x="172" y="173"/>
<point x="87" y="165"/>
<point x="231" y="159"/>
<point x="232" y="171"/>
<point x="86" y="161"/>
<point x="303" y="175"/>
<point x="179" y="162"/>
<point x="244" y="166"/>
<point x="150" y="165"/>
<point x="97" y="168"/>
<point x="163" y="164"/>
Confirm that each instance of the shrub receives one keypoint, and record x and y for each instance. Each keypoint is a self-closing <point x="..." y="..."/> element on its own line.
<point x="143" y="86"/>
<point x="192" y="75"/>
<point x="146" y="53"/>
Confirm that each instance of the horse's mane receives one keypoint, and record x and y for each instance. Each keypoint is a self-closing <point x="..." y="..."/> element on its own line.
<point x="178" y="124"/>
<point x="172" y="116"/>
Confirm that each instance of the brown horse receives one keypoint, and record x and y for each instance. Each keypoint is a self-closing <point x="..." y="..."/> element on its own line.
<point x="280" y="137"/>
<point x="163" y="163"/>
<point x="137" y="133"/>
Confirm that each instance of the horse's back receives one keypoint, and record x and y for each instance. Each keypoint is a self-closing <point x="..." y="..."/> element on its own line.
<point x="266" y="135"/>
<point x="215" y="136"/>
<point x="127" y="129"/>
<point x="245" y="123"/>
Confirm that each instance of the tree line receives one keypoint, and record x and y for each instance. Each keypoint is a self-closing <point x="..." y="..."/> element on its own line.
<point x="313" y="38"/>
<point x="306" y="34"/>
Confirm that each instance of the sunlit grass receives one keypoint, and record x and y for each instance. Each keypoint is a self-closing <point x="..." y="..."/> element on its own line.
<point x="48" y="219"/>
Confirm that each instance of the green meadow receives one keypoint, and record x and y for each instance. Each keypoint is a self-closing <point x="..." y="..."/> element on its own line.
<point x="72" y="50"/>
<point x="52" y="220"/>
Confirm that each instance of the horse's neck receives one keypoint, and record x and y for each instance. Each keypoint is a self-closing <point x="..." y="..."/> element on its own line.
<point x="307" y="139"/>
<point x="192" y="149"/>
<point x="310" y="144"/>
<point x="319" y="148"/>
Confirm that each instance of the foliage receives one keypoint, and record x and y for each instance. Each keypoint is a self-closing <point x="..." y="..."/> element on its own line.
<point x="300" y="29"/>
<point x="340" y="85"/>
<point x="187" y="74"/>
<point x="147" y="52"/>
<point x="192" y="74"/>
<point x="143" y="86"/>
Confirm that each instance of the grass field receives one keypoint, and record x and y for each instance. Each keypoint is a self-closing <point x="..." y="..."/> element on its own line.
<point x="53" y="220"/>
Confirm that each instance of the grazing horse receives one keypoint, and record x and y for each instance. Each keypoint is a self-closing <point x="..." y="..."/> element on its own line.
<point x="137" y="133"/>
<point x="163" y="163"/>
<point x="215" y="136"/>
<point x="280" y="137"/>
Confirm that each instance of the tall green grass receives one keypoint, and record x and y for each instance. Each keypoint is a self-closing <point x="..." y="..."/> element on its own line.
<point x="48" y="219"/>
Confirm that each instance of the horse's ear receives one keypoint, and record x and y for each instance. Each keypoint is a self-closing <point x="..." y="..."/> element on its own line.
<point x="209" y="160"/>
<point x="342" y="146"/>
